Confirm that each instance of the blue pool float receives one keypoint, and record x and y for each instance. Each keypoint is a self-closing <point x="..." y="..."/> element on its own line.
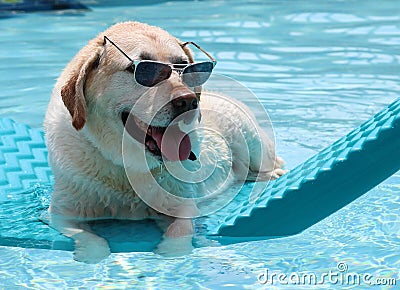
<point x="320" y="186"/>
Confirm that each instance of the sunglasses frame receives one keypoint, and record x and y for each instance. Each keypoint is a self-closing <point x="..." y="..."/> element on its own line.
<point x="180" y="70"/>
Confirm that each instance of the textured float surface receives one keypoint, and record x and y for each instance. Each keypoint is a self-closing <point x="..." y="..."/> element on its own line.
<point x="323" y="184"/>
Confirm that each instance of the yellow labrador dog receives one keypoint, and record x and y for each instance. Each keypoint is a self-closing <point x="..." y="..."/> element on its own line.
<point x="124" y="110"/>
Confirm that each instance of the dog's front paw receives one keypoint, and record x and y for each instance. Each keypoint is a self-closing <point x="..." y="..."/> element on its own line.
<point x="91" y="250"/>
<point x="175" y="247"/>
<point x="180" y="228"/>
<point x="276" y="173"/>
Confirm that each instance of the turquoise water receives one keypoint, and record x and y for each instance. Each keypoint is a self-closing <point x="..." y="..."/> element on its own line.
<point x="320" y="69"/>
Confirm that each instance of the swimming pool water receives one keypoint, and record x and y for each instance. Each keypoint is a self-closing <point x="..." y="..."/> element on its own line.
<point x="320" y="69"/>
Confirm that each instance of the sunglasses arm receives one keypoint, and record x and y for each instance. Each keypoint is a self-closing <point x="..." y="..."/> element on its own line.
<point x="202" y="50"/>
<point x="109" y="40"/>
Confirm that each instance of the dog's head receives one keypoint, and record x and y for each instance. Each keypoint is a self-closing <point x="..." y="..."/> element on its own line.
<point x="103" y="96"/>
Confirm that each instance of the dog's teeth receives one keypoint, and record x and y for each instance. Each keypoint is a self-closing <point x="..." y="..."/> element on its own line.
<point x="151" y="145"/>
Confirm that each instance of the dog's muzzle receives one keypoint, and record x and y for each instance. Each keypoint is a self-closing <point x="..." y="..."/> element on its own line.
<point x="171" y="142"/>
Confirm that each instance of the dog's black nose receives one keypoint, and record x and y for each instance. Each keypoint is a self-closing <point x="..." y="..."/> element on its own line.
<point x="184" y="102"/>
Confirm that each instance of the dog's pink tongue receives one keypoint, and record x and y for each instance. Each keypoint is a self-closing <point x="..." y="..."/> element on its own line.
<point x="174" y="144"/>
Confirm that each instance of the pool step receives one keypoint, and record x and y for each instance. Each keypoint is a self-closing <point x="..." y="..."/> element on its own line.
<point x="322" y="185"/>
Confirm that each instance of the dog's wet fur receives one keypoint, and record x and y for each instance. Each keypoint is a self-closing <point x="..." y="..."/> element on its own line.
<point x="89" y="109"/>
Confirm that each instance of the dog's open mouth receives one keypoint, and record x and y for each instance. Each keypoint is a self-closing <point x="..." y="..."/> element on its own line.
<point x="169" y="142"/>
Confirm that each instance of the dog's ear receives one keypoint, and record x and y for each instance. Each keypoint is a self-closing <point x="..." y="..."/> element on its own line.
<point x="187" y="52"/>
<point x="72" y="92"/>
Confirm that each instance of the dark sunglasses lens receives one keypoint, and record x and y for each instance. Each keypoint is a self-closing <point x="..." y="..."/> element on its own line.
<point x="197" y="74"/>
<point x="150" y="73"/>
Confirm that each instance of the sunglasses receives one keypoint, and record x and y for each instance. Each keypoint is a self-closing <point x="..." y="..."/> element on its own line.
<point x="149" y="73"/>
